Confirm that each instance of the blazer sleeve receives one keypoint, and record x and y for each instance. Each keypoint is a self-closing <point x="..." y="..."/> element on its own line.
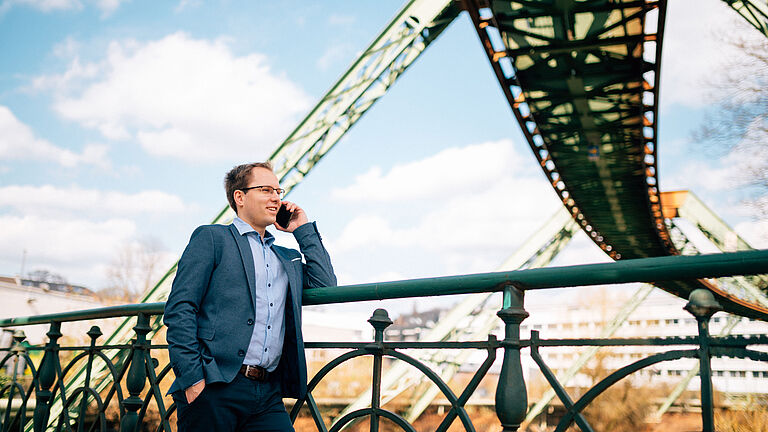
<point x="181" y="309"/>
<point x="318" y="271"/>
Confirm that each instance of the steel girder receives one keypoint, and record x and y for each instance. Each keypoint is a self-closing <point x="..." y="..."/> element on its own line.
<point x="595" y="137"/>
<point x="755" y="12"/>
<point x="582" y="79"/>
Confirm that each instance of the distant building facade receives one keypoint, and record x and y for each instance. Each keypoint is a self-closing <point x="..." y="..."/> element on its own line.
<point x="660" y="315"/>
<point x="25" y="297"/>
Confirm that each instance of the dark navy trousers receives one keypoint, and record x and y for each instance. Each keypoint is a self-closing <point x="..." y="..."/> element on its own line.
<point x="243" y="405"/>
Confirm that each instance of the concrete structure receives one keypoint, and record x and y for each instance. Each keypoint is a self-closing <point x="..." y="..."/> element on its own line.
<point x="23" y="297"/>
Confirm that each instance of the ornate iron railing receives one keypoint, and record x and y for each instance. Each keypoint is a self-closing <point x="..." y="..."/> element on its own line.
<point x="35" y="396"/>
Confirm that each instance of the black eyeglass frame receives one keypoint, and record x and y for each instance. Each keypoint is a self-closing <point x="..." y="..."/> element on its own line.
<point x="280" y="191"/>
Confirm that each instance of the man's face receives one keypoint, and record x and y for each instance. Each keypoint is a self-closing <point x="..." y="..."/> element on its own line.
<point x="258" y="208"/>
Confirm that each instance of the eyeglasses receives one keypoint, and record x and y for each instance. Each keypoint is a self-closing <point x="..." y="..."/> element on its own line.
<point x="266" y="190"/>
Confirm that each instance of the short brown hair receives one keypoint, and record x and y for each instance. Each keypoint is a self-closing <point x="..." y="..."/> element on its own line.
<point x="237" y="178"/>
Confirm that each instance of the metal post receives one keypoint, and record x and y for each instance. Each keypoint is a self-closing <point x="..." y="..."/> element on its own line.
<point x="702" y="305"/>
<point x="137" y="375"/>
<point x="94" y="333"/>
<point x="18" y="351"/>
<point x="511" y="394"/>
<point x="380" y="321"/>
<point x="46" y="378"/>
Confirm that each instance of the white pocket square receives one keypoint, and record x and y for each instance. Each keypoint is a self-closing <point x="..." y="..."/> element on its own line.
<point x="296" y="259"/>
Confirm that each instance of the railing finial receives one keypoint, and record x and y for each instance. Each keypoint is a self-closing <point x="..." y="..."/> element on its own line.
<point x="380" y="321"/>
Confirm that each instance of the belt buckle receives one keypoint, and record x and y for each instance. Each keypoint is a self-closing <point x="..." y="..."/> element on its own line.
<point x="255" y="372"/>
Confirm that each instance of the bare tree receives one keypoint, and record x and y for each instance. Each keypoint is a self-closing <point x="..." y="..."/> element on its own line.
<point x="46" y="276"/>
<point x="134" y="269"/>
<point x="737" y="127"/>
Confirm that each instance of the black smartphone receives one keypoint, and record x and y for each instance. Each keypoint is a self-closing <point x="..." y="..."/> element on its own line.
<point x="283" y="217"/>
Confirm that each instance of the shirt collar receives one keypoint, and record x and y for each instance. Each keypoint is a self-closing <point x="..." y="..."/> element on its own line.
<point x="243" y="228"/>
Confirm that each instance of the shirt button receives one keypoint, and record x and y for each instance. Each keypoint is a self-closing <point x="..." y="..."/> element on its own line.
<point x="250" y="322"/>
<point x="265" y="350"/>
<point x="269" y="285"/>
<point x="270" y="304"/>
<point x="269" y="327"/>
<point x="241" y="353"/>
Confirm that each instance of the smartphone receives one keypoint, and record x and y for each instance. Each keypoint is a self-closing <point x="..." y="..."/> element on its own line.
<point x="283" y="217"/>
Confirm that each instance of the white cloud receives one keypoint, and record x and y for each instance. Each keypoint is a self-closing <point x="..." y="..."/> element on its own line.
<point x="107" y="7"/>
<point x="19" y="142"/>
<point x="755" y="232"/>
<point x="65" y="242"/>
<point x="187" y="4"/>
<point x="339" y="19"/>
<point x="695" y="49"/>
<point x="334" y="54"/>
<point x="51" y="200"/>
<point x="42" y="5"/>
<point x="741" y="166"/>
<point x="454" y="171"/>
<point x="688" y="177"/>
<point x="492" y="219"/>
<point x="182" y="98"/>
<point x="462" y="210"/>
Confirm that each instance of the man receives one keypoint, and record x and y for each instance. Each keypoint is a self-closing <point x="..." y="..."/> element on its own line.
<point x="234" y="312"/>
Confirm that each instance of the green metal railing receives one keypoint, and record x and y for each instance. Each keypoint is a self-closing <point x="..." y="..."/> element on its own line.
<point x="35" y="386"/>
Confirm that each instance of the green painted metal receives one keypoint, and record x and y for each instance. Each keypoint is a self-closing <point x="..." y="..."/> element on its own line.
<point x="608" y="331"/>
<point x="536" y="251"/>
<point x="755" y="12"/>
<point x="556" y="388"/>
<point x="511" y="393"/>
<point x="683" y="384"/>
<point x="368" y="78"/>
<point x="626" y="271"/>
<point x="582" y="79"/>
<point x="138" y="371"/>
<point x="396" y="48"/>
<point x="686" y="205"/>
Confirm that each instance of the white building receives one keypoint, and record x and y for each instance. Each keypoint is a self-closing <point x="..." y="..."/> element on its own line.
<point x="23" y="297"/>
<point x="660" y="315"/>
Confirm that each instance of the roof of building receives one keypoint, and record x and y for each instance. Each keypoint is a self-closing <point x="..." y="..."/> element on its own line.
<point x="63" y="287"/>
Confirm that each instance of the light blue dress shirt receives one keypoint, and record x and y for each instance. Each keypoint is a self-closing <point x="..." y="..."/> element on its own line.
<point x="266" y="344"/>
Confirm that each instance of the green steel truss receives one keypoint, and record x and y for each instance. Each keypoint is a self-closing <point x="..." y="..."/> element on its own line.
<point x="474" y="316"/>
<point x="582" y="79"/>
<point x="755" y="12"/>
<point x="470" y="319"/>
<point x="401" y="42"/>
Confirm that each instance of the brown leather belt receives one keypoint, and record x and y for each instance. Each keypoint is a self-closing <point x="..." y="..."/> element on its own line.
<point x="256" y="373"/>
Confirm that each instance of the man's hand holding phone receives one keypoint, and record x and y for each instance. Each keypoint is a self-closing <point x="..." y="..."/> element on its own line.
<point x="290" y="216"/>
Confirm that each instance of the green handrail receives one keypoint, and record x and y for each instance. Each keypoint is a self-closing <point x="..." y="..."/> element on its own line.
<point x="650" y="270"/>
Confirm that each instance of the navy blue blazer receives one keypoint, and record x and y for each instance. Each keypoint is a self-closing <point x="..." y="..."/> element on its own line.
<point x="210" y="310"/>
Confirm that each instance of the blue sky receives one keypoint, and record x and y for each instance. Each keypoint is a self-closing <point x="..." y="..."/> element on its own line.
<point x="118" y="120"/>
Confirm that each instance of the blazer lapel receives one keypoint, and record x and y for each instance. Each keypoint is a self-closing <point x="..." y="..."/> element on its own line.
<point x="247" y="257"/>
